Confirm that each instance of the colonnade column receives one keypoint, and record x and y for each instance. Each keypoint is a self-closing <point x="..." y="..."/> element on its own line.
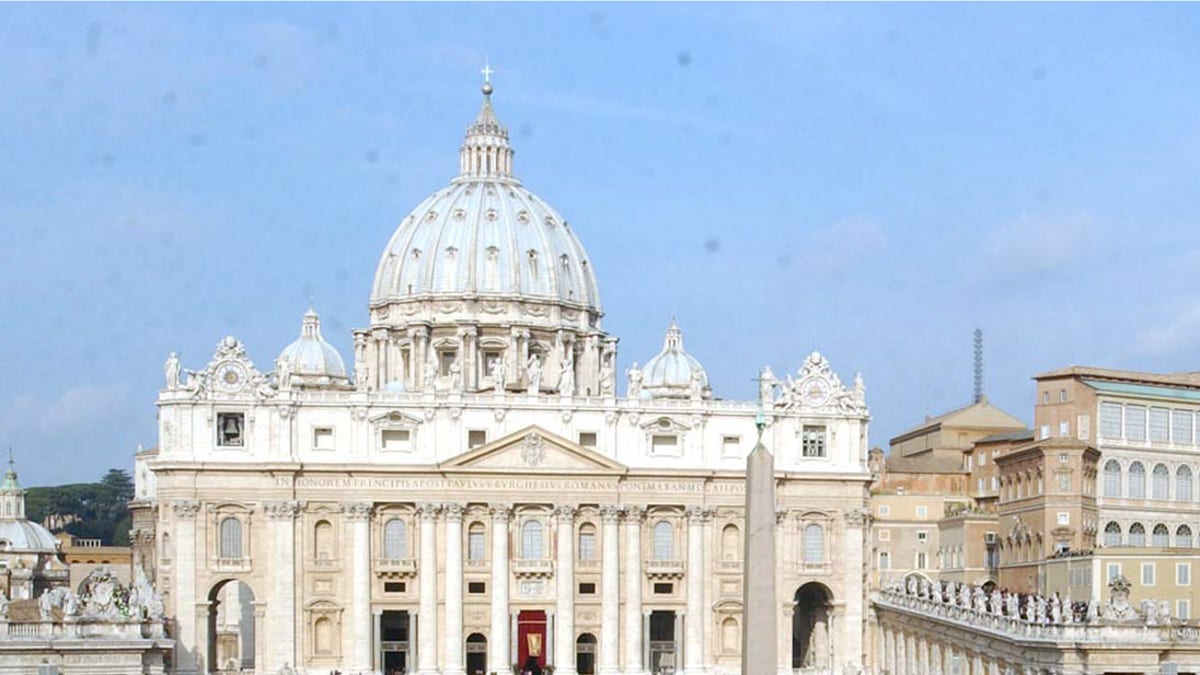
<point x="498" y="642"/>
<point x="633" y="590"/>
<point x="693" y="649"/>
<point x="564" y="576"/>
<point x="610" y="601"/>
<point x="453" y="642"/>
<point x="427" y="626"/>
<point x="357" y="515"/>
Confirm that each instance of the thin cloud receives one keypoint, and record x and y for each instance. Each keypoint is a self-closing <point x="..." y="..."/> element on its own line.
<point x="1039" y="244"/>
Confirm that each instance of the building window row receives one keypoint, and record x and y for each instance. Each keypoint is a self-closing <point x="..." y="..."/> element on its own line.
<point x="1140" y="423"/>
<point x="1131" y="482"/>
<point x="1160" y="536"/>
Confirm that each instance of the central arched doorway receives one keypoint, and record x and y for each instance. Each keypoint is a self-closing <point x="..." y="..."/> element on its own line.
<point x="231" y="629"/>
<point x="811" y="613"/>
<point x="476" y="654"/>
<point x="585" y="654"/>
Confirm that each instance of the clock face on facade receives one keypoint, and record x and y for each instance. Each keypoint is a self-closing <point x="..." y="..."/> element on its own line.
<point x="231" y="376"/>
<point x="814" y="391"/>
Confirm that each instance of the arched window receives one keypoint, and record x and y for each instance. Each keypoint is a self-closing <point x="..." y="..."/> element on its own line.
<point x="395" y="539"/>
<point x="1183" y="537"/>
<point x="1137" y="481"/>
<point x="323" y="540"/>
<point x="475" y="545"/>
<point x="323" y="636"/>
<point x="1160" y="482"/>
<point x="664" y="544"/>
<point x="1160" y="537"/>
<point x="531" y="540"/>
<point x="731" y="543"/>
<point x="731" y="637"/>
<point x="1183" y="483"/>
<point x="1112" y="534"/>
<point x="814" y="544"/>
<point x="1137" y="535"/>
<point x="587" y="541"/>
<point x="231" y="538"/>
<point x="1112" y="478"/>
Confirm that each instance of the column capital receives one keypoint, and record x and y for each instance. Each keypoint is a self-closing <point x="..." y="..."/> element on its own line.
<point x="185" y="508"/>
<point x="285" y="510"/>
<point x="501" y="511"/>
<point x="635" y="514"/>
<point x="565" y="512"/>
<point x="610" y="513"/>
<point x="428" y="510"/>
<point x="698" y="514"/>
<point x="452" y="511"/>
<point x="356" y="511"/>
<point x="856" y="517"/>
<point x="780" y="515"/>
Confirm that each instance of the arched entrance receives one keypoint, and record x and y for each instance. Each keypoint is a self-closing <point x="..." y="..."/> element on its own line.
<point x="585" y="654"/>
<point x="476" y="654"/>
<point x="811" y="613"/>
<point x="231" y="628"/>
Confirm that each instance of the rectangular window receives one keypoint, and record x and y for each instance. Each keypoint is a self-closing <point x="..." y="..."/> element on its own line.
<point x="1044" y="432"/>
<point x="1135" y="422"/>
<point x="1160" y="421"/>
<point x="982" y="458"/>
<point x="1148" y="574"/>
<point x="1062" y="395"/>
<point x="588" y="439"/>
<point x="587" y="589"/>
<point x="476" y="438"/>
<point x="230" y="429"/>
<point x="979" y="485"/>
<point x="885" y="560"/>
<point x="587" y="545"/>
<point x="1045" y="397"/>
<point x="731" y="446"/>
<point x="814" y="441"/>
<point x="884" y="510"/>
<point x="1081" y="427"/>
<point x="664" y="589"/>
<point x="1064" y="518"/>
<point x="1114" y="571"/>
<point x="922" y="560"/>
<point x="475" y="545"/>
<point x="995" y="482"/>
<point x="970" y="462"/>
<point x="1064" y="429"/>
<point x="395" y="440"/>
<point x="322" y="438"/>
<point x="922" y="511"/>
<point x="1062" y="458"/>
<point x="1183" y="574"/>
<point x="445" y="360"/>
<point x="1181" y="426"/>
<point x="1183" y="609"/>
<point x="394" y="586"/>
<point x="885" y="535"/>
<point x="1064" y="482"/>
<point x="922" y="536"/>
<point x="1110" y="420"/>
<point x="661" y="444"/>
<point x="476" y="587"/>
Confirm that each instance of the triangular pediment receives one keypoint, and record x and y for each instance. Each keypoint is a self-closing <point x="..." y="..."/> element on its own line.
<point x="533" y="449"/>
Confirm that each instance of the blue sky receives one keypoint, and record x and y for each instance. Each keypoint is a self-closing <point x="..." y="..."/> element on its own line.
<point x="873" y="181"/>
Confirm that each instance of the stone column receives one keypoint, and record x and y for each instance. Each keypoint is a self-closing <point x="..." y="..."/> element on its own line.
<point x="427" y="651"/>
<point x="184" y="561"/>
<point x="852" y="556"/>
<point x="693" y="649"/>
<point x="633" y="590"/>
<point x="499" y="642"/>
<point x="610" y="600"/>
<point x="935" y="658"/>
<point x="281" y="604"/>
<point x="564" y="576"/>
<point x="357" y="516"/>
<point x="453" y="635"/>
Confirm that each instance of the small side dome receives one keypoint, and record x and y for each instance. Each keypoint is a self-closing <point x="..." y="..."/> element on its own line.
<point x="673" y="373"/>
<point x="311" y="362"/>
<point x="18" y="535"/>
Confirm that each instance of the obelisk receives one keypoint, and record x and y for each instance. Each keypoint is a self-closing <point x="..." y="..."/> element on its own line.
<point x="759" y="604"/>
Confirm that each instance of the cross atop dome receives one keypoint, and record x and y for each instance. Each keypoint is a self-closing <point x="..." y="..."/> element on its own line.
<point x="487" y="78"/>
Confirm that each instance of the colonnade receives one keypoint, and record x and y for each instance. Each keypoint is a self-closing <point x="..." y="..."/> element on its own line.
<point x="920" y="652"/>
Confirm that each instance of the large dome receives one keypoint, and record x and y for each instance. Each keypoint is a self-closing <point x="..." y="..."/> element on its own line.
<point x="486" y="236"/>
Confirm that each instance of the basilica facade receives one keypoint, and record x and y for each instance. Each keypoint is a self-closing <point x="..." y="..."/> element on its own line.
<point x="475" y="495"/>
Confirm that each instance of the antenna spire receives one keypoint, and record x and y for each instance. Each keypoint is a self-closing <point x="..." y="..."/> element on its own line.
<point x="978" y="365"/>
